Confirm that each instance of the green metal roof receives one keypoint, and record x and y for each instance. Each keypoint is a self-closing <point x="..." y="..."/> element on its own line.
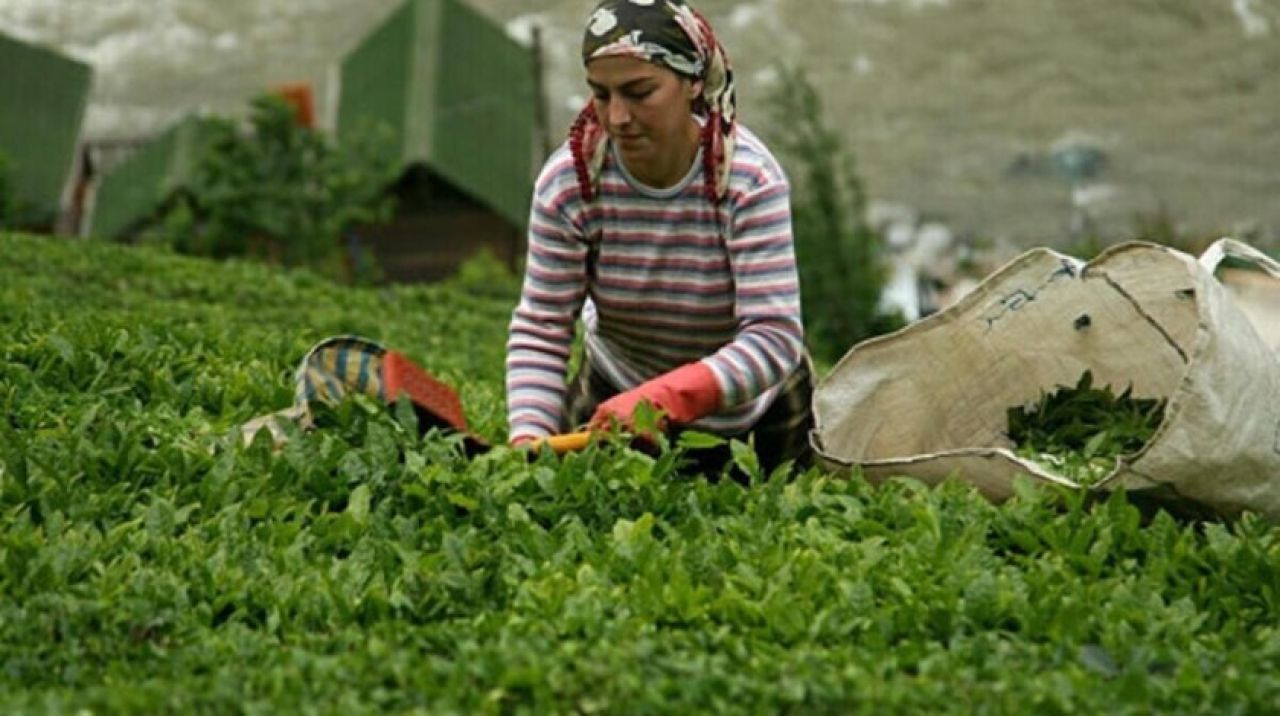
<point x="43" y="96"/>
<point x="133" y="190"/>
<point x="457" y="92"/>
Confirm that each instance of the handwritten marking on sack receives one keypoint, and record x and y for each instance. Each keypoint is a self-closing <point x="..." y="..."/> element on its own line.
<point x="1015" y="300"/>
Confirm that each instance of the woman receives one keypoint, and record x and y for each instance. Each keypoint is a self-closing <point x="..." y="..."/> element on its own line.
<point x="666" y="226"/>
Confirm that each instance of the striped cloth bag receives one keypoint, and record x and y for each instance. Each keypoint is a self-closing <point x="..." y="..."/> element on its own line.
<point x="340" y="366"/>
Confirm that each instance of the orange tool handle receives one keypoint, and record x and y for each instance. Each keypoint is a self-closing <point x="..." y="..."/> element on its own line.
<point x="568" y="442"/>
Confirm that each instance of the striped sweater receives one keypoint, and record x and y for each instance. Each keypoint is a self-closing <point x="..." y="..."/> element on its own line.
<point x="668" y="285"/>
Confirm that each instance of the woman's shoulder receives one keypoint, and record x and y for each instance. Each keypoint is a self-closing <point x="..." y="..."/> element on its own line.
<point x="754" y="166"/>
<point x="558" y="179"/>
<point x="557" y="166"/>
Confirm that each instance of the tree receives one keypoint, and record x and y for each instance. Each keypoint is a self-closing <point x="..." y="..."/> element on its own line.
<point x="840" y="257"/>
<point x="279" y="190"/>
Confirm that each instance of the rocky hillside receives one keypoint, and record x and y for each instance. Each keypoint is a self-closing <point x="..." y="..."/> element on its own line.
<point x="1004" y="119"/>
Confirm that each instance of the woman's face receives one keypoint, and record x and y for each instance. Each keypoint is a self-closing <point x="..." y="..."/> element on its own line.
<point x="646" y="109"/>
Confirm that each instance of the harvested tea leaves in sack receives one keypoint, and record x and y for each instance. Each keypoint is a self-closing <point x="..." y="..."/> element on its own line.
<point x="931" y="402"/>
<point x="1081" y="432"/>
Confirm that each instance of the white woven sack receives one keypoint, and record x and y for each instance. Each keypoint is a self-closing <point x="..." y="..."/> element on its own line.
<point x="931" y="400"/>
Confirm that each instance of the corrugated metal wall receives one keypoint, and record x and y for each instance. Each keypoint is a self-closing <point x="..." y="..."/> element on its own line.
<point x="459" y="94"/>
<point x="133" y="190"/>
<point x="42" y="102"/>
<point x="485" y="112"/>
<point x="375" y="77"/>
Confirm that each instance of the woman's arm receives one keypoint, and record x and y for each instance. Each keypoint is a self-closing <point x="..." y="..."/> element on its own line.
<point x="770" y="340"/>
<point x="542" y="324"/>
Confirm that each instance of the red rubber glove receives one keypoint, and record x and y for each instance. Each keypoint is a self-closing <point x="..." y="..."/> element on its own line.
<point x="683" y="395"/>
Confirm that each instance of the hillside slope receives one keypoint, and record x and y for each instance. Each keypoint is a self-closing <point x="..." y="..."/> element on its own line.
<point x="149" y="566"/>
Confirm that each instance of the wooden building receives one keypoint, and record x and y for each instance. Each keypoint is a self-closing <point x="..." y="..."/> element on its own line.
<point x="460" y="98"/>
<point x="128" y="195"/>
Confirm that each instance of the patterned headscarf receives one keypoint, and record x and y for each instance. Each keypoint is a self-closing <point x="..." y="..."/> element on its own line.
<point x="671" y="34"/>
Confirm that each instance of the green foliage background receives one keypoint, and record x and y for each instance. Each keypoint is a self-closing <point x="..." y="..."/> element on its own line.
<point x="150" y="564"/>
<point x="841" y="259"/>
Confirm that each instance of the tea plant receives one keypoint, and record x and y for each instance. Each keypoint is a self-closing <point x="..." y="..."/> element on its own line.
<point x="151" y="563"/>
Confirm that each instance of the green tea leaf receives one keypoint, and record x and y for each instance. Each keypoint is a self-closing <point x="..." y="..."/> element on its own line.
<point x="695" y="440"/>
<point x="1080" y="432"/>
<point x="358" y="504"/>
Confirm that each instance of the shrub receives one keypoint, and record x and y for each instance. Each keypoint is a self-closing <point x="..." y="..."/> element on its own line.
<point x="279" y="191"/>
<point x="840" y="258"/>
<point x="484" y="274"/>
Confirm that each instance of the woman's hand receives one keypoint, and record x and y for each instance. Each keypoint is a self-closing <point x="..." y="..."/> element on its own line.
<point x="680" y="396"/>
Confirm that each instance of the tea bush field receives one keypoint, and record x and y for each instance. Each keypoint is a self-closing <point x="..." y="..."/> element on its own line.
<point x="149" y="562"/>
